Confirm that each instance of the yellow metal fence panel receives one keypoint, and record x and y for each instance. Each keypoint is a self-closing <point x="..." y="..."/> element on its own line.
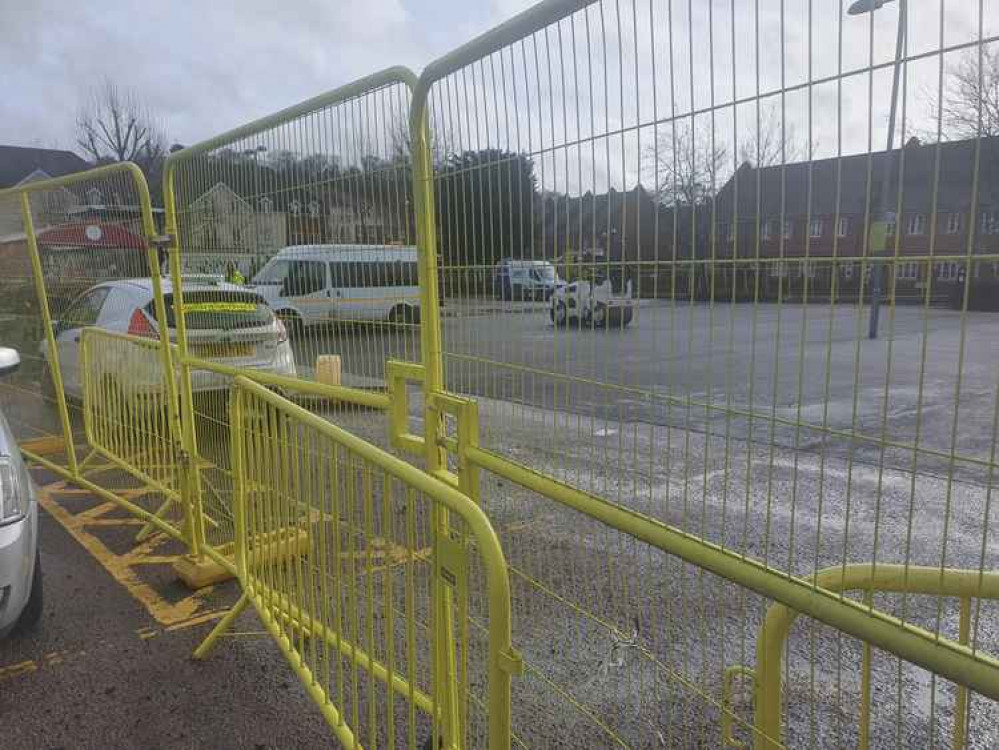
<point x="703" y="311"/>
<point x="703" y="316"/>
<point x="85" y="255"/>
<point x="127" y="416"/>
<point x="304" y="215"/>
<point x="338" y="551"/>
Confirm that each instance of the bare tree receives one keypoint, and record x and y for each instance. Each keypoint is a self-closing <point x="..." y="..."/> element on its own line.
<point x="685" y="165"/>
<point x="968" y="90"/>
<point x="769" y="144"/>
<point x="115" y="125"/>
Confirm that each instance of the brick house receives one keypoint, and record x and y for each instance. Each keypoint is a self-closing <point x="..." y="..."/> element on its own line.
<point x="820" y="210"/>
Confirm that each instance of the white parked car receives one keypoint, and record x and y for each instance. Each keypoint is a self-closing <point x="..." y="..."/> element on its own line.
<point x="593" y="303"/>
<point x="226" y="323"/>
<point x="311" y="284"/>
<point x="20" y="567"/>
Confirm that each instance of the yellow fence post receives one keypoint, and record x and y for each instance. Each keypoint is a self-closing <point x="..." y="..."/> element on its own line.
<point x="189" y="570"/>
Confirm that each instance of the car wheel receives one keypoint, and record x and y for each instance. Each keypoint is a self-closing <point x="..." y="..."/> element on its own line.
<point x="598" y="318"/>
<point x="618" y="317"/>
<point x="32" y="611"/>
<point x="559" y="314"/>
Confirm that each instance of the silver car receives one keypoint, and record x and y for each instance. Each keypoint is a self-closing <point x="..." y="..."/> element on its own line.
<point x="226" y="323"/>
<point x="20" y="568"/>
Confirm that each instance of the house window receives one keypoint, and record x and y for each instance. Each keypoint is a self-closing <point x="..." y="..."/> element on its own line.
<point x="917" y="224"/>
<point x="848" y="270"/>
<point x="788" y="229"/>
<point x="947" y="271"/>
<point x="891" y="228"/>
<point x="953" y="223"/>
<point x="908" y="271"/>
<point x="806" y="269"/>
<point x="842" y="226"/>
<point x="768" y="229"/>
<point x="778" y="269"/>
<point x="266" y="205"/>
<point x="815" y="228"/>
<point x="990" y="221"/>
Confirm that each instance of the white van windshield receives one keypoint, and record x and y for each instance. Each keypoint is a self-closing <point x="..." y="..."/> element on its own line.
<point x="544" y="273"/>
<point x="273" y="273"/>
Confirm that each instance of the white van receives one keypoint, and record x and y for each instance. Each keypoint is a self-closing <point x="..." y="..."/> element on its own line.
<point x="310" y="284"/>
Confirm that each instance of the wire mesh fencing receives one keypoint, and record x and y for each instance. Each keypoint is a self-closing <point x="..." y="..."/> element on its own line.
<point x="386" y="589"/>
<point x="84" y="257"/>
<point x="724" y="266"/>
<point x="304" y="215"/>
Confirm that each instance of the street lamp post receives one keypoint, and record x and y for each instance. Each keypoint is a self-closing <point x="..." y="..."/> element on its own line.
<point x="878" y="237"/>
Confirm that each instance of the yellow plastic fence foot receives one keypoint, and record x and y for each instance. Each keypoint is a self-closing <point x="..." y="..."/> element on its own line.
<point x="197" y="573"/>
<point x="202" y="651"/>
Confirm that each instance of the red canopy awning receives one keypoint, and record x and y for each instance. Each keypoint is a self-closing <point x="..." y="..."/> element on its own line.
<point x="94" y="234"/>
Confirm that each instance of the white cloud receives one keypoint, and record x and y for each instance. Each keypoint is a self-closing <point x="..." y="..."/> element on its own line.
<point x="205" y="66"/>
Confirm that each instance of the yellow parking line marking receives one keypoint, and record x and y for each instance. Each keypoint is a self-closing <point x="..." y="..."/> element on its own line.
<point x="16" y="670"/>
<point x="55" y="658"/>
<point x="215" y="614"/>
<point x="153" y="560"/>
<point x="94" y="513"/>
<point x="123" y="567"/>
<point x="116" y="522"/>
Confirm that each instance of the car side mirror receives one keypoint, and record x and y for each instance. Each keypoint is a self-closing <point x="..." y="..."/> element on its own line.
<point x="10" y="360"/>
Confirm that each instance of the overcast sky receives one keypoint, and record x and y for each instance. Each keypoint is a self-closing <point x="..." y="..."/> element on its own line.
<point x="208" y="65"/>
<point x="205" y="67"/>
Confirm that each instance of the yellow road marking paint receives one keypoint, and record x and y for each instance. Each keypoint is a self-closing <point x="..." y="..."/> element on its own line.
<point x="210" y="616"/>
<point x="55" y="658"/>
<point x="123" y="568"/>
<point x="16" y="670"/>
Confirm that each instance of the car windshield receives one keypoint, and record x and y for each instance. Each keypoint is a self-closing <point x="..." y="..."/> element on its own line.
<point x="218" y="308"/>
<point x="545" y="272"/>
<point x="273" y="273"/>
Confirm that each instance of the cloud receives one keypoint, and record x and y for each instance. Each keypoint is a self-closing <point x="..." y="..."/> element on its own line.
<point x="206" y="67"/>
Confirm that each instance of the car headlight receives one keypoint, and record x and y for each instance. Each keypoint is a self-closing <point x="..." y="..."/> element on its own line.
<point x="14" y="491"/>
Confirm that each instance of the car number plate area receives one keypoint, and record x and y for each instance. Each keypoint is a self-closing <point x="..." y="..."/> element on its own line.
<point x="222" y="351"/>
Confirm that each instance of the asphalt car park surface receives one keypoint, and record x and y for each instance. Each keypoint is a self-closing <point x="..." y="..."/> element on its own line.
<point x="797" y="363"/>
<point x="109" y="666"/>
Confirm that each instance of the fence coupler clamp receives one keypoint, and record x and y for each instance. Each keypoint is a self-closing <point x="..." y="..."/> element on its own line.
<point x="511" y="661"/>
